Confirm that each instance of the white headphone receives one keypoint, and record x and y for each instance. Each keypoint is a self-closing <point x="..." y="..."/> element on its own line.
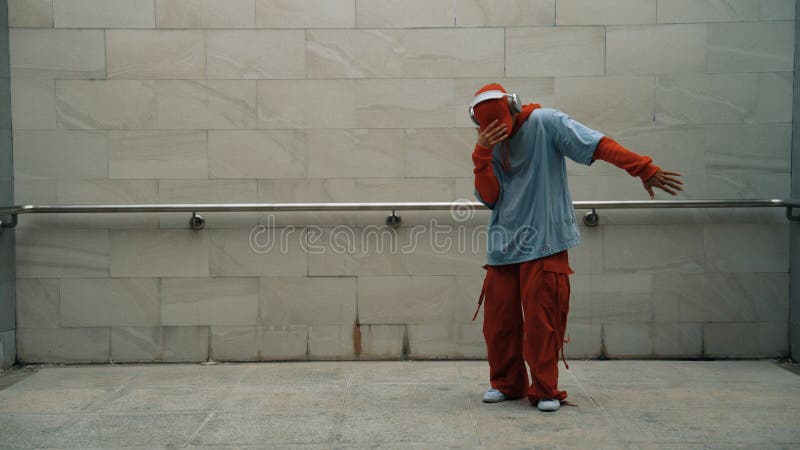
<point x="513" y="102"/>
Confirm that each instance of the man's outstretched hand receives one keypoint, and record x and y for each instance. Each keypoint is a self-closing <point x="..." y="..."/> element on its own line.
<point x="666" y="181"/>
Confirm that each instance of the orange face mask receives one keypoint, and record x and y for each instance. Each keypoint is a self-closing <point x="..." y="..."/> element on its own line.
<point x="491" y="110"/>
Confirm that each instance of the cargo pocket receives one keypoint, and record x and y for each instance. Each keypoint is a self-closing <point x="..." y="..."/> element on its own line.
<point x="556" y="281"/>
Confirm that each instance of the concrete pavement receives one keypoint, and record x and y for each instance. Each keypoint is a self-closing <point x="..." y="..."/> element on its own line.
<point x="402" y="404"/>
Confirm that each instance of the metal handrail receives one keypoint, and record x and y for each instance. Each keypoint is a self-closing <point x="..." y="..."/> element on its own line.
<point x="193" y="208"/>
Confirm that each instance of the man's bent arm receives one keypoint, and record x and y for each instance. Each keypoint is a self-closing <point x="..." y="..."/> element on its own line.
<point x="485" y="180"/>
<point x="636" y="165"/>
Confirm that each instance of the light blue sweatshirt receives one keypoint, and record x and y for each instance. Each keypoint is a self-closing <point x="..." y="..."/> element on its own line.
<point x="533" y="216"/>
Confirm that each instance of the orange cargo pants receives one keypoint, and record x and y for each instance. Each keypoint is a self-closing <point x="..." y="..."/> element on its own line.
<point x="532" y="333"/>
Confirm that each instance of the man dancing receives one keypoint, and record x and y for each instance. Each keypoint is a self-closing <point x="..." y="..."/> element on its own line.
<point x="520" y="174"/>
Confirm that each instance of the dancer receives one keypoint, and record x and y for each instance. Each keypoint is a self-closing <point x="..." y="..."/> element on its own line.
<point x="520" y="174"/>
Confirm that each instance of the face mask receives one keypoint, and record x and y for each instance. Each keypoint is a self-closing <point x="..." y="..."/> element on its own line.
<point x="491" y="110"/>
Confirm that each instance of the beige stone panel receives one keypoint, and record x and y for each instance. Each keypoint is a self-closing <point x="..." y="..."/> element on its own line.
<point x="580" y="299"/>
<point x="331" y="342"/>
<point x="344" y="250"/>
<point x="628" y="340"/>
<point x="445" y="341"/>
<point x="586" y="340"/>
<point x="38" y="53"/>
<point x="157" y="154"/>
<point x="420" y="103"/>
<point x="307" y="300"/>
<point x="404" y="190"/>
<point x="354" y="153"/>
<point x="723" y="98"/>
<point x="288" y="104"/>
<point x="775" y="9"/>
<point x="587" y="257"/>
<point x="209" y="301"/>
<point x="433" y="341"/>
<point x="258" y="252"/>
<point x="37" y="303"/>
<point x="285" y="343"/>
<point x="605" y="102"/>
<point x="211" y="104"/>
<point x="746" y="340"/>
<point x="405" y="299"/>
<point x="229" y="343"/>
<point x="355" y="53"/>
<point x="63" y="345"/>
<point x="747" y="247"/>
<point x="205" y="13"/>
<point x="104" y="191"/>
<point x="30" y="13"/>
<point x="104" y="13"/>
<point x="655" y="49"/>
<point x="563" y="51"/>
<point x="137" y="344"/>
<point x="209" y="191"/>
<point x="748" y="185"/>
<point x="774" y="103"/>
<point x="439" y="152"/>
<point x="466" y="292"/>
<point x="55" y="253"/>
<point x="379" y="342"/>
<point x="687" y="11"/>
<point x="256" y="54"/>
<point x="446" y="249"/>
<point x="643" y="248"/>
<point x="305" y="13"/>
<point x="406" y="14"/>
<point x="621" y="298"/>
<point x="502" y="13"/>
<point x="33" y="104"/>
<point x="530" y="90"/>
<point x="153" y="54"/>
<point x="605" y="12"/>
<point x="749" y="148"/>
<point x="256" y="154"/>
<point x="307" y="190"/>
<point x="30" y="191"/>
<point x="186" y="344"/>
<point x="680" y="149"/>
<point x="724" y="297"/>
<point x="751" y="47"/>
<point x="60" y="154"/>
<point x="95" y="302"/>
<point x="678" y="340"/>
<point x="405" y="53"/>
<point x="104" y="105"/>
<point x="159" y="253"/>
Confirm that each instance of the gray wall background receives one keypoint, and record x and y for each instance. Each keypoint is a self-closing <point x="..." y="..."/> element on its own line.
<point x="141" y="101"/>
<point x="8" y="352"/>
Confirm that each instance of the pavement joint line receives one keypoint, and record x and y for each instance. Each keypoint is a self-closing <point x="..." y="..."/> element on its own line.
<point x="338" y="424"/>
<point x="474" y="421"/>
<point x="202" y="425"/>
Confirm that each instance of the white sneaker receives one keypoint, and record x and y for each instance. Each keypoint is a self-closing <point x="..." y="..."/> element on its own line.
<point x="548" y="404"/>
<point x="493" y="396"/>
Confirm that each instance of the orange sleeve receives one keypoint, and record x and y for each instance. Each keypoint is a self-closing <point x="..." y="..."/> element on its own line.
<point x="637" y="165"/>
<point x="485" y="180"/>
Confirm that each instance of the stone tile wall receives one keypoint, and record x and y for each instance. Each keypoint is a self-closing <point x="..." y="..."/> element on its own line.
<point x="181" y="101"/>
